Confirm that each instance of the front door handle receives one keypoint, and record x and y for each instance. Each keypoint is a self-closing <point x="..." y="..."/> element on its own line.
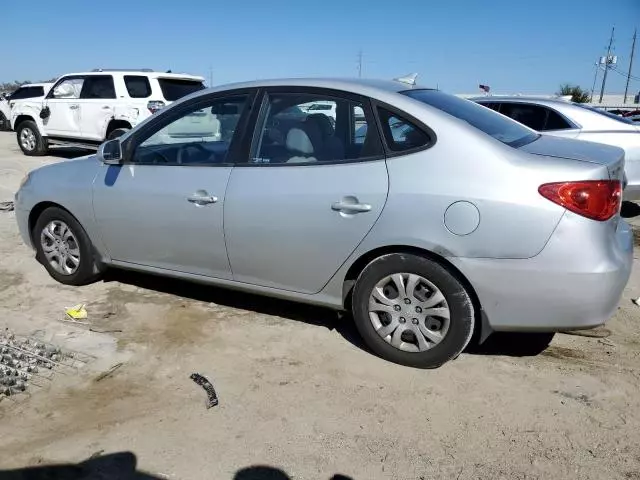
<point x="106" y="107"/>
<point x="350" y="205"/>
<point x="73" y="107"/>
<point x="202" y="198"/>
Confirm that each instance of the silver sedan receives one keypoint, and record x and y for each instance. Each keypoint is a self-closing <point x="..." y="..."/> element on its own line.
<point x="571" y="120"/>
<point x="468" y="222"/>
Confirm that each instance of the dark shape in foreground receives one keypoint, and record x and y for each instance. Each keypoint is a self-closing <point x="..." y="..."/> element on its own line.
<point x="115" y="466"/>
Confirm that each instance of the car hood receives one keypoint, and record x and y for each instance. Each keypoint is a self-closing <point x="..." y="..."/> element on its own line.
<point x="581" y="150"/>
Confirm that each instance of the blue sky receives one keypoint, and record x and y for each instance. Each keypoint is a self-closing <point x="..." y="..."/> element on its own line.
<point x="511" y="45"/>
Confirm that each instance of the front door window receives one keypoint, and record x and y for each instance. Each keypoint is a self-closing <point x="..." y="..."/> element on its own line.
<point x="203" y="135"/>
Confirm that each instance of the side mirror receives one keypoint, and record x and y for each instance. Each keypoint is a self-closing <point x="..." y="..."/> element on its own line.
<point x="110" y="152"/>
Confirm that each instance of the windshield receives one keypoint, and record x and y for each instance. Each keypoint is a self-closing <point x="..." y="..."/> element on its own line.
<point x="610" y="115"/>
<point x="492" y="123"/>
<point x="174" y="89"/>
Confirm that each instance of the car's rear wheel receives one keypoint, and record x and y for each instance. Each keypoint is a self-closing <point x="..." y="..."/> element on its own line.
<point x="29" y="138"/>
<point x="64" y="248"/>
<point x="412" y="311"/>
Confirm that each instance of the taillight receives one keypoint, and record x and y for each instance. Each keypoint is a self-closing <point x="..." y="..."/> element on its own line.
<point x="155" y="105"/>
<point x="595" y="199"/>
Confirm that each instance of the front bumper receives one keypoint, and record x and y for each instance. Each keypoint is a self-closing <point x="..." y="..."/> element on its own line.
<point x="22" y="218"/>
<point x="575" y="283"/>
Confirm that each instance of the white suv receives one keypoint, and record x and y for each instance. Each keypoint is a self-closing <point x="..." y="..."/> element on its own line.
<point x="85" y="109"/>
<point x="30" y="92"/>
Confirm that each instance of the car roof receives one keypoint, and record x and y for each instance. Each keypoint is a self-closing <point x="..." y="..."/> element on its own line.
<point x="355" y="85"/>
<point x="144" y="73"/>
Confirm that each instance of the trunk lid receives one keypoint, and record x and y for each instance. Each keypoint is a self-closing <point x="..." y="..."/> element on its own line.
<point x="610" y="157"/>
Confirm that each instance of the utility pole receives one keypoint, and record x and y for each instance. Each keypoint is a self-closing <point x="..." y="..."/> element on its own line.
<point x="606" y="64"/>
<point x="360" y="64"/>
<point x="595" y="79"/>
<point x="633" y="48"/>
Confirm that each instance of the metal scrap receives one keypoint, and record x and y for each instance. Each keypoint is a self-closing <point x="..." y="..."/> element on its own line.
<point x="27" y="362"/>
<point x="108" y="373"/>
<point x="212" y="397"/>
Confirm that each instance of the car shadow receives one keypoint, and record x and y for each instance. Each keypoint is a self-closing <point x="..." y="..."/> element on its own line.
<point x="629" y="209"/>
<point x="341" y="322"/>
<point x="500" y="343"/>
<point x="123" y="466"/>
<point x="68" y="153"/>
<point x="263" y="472"/>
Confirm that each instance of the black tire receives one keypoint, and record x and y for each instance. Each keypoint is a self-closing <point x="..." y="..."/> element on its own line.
<point x="4" y="123"/>
<point x="117" y="132"/>
<point x="462" y="315"/>
<point x="39" y="142"/>
<point x="88" y="269"/>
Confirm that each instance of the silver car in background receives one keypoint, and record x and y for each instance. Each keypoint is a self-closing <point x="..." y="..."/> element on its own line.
<point x="466" y="222"/>
<point x="571" y="120"/>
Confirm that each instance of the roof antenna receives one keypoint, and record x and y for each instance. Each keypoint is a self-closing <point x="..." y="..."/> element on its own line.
<point x="408" y="79"/>
<point x="168" y="71"/>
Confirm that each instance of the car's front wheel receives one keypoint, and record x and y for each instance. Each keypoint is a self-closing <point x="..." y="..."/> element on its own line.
<point x="412" y="311"/>
<point x="29" y="138"/>
<point x="64" y="248"/>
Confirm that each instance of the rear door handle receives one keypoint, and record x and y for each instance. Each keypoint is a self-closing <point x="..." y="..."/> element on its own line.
<point x="349" y="207"/>
<point x="202" y="199"/>
<point x="106" y="107"/>
<point x="73" y="107"/>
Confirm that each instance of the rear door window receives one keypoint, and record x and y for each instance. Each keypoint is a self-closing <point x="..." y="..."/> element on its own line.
<point x="137" y="86"/>
<point x="290" y="131"/>
<point x="176" y="88"/>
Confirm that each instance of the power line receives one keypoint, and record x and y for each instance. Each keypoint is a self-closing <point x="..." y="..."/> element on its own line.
<point x="624" y="74"/>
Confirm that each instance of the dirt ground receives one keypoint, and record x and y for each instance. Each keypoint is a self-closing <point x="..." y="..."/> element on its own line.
<point x="299" y="395"/>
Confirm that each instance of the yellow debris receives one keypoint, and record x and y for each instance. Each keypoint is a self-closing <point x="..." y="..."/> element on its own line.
<point x="77" y="312"/>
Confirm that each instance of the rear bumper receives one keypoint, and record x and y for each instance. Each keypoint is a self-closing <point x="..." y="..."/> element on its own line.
<point x="575" y="283"/>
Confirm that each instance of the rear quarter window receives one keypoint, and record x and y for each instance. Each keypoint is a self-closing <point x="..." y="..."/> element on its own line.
<point x="400" y="134"/>
<point x="175" y="88"/>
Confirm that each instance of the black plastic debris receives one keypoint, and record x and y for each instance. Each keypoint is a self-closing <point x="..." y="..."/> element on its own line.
<point x="7" y="206"/>
<point x="212" y="397"/>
